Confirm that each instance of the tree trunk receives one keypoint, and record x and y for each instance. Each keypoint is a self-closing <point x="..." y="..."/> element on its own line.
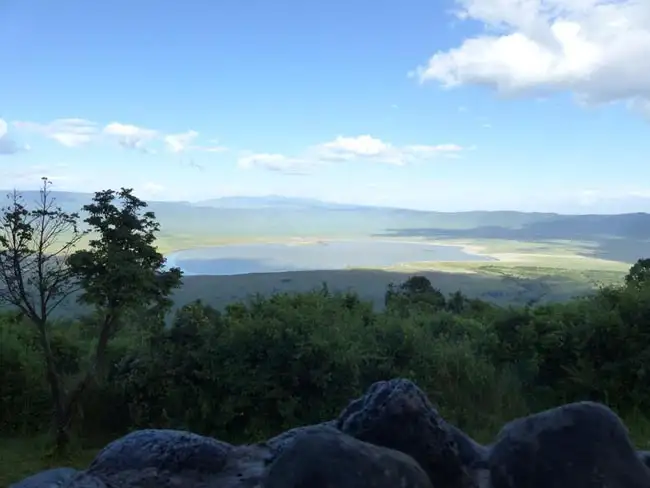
<point x="62" y="437"/>
<point x="95" y="372"/>
<point x="61" y="421"/>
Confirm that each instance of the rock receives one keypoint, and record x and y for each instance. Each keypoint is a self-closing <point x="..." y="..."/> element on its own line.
<point x="84" y="480"/>
<point x="160" y="458"/>
<point x="327" y="459"/>
<point x="280" y="441"/>
<point x="471" y="453"/>
<point x="52" y="478"/>
<point x="172" y="450"/>
<point x="644" y="456"/>
<point x="398" y="415"/>
<point x="581" y="445"/>
<point x="245" y="468"/>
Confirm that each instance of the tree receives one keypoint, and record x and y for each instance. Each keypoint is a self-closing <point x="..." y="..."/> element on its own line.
<point x="416" y="285"/>
<point x="416" y="289"/>
<point x="121" y="271"/>
<point x="639" y="273"/>
<point x="34" y="275"/>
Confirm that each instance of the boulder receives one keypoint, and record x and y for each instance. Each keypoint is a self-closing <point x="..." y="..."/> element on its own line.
<point x="472" y="454"/>
<point x="161" y="458"/>
<point x="581" y="445"/>
<point x="52" y="478"/>
<point x="644" y="456"/>
<point x="84" y="480"/>
<point x="327" y="458"/>
<point x="279" y="442"/>
<point x="398" y="415"/>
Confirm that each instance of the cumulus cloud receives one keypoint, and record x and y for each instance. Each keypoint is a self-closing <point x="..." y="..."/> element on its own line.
<point x="349" y="149"/>
<point x="70" y="132"/>
<point x="7" y="144"/>
<point x="597" y="49"/>
<point x="74" y="132"/>
<point x="130" y="136"/>
<point x="177" y="143"/>
<point x="214" y="147"/>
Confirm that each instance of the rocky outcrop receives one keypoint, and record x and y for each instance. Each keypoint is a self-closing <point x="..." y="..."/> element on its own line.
<point x="645" y="457"/>
<point x="325" y="459"/>
<point x="398" y="415"/>
<point x="52" y="478"/>
<point x="390" y="437"/>
<point x="581" y="445"/>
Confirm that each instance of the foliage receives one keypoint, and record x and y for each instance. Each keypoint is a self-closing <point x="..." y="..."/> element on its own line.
<point x="35" y="278"/>
<point x="268" y="364"/>
<point x="120" y="273"/>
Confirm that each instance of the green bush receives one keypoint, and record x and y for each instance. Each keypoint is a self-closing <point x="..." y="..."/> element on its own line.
<point x="269" y="364"/>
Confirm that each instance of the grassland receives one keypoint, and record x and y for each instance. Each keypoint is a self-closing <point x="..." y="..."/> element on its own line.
<point x="521" y="271"/>
<point x="559" y="259"/>
<point x="22" y="457"/>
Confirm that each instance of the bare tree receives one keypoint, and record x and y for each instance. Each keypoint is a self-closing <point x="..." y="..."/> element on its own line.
<point x="35" y="278"/>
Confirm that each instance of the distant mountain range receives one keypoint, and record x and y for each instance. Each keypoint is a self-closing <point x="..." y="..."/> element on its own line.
<point x="622" y="236"/>
<point x="74" y="200"/>
<point x="66" y="199"/>
<point x="275" y="201"/>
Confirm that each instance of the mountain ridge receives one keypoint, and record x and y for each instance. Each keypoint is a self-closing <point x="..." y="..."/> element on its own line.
<point x="248" y="202"/>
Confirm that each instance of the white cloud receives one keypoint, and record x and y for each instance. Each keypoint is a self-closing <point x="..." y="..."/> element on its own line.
<point x="30" y="176"/>
<point x="597" y="49"/>
<point x="73" y="132"/>
<point x="150" y="190"/>
<point x="368" y="148"/>
<point x="361" y="146"/>
<point x="273" y="162"/>
<point x="349" y="149"/>
<point x="177" y="143"/>
<point x="70" y="132"/>
<point x="7" y="144"/>
<point x="130" y="136"/>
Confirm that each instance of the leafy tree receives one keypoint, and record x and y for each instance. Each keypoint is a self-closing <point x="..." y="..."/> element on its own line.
<point x="416" y="289"/>
<point x="34" y="275"/>
<point x="121" y="271"/>
<point x="416" y="285"/>
<point x="456" y="302"/>
<point x="639" y="273"/>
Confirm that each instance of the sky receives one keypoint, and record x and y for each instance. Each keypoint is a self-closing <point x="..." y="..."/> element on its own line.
<point x="535" y="105"/>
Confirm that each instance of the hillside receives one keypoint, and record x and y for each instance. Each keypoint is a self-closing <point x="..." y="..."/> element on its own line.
<point x="282" y="216"/>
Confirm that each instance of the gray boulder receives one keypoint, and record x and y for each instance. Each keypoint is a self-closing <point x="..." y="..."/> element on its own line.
<point x="326" y="459"/>
<point x="84" y="480"/>
<point x="278" y="443"/>
<point x="471" y="453"/>
<point x="581" y="445"/>
<point x="398" y="415"/>
<point x="160" y="458"/>
<point x="52" y="478"/>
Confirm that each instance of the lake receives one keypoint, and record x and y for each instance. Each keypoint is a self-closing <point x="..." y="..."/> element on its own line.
<point x="322" y="255"/>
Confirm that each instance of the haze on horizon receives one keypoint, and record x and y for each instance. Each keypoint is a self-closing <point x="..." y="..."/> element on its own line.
<point x="533" y="105"/>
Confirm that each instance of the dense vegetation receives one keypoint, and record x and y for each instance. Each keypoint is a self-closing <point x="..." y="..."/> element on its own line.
<point x="270" y="363"/>
<point x="259" y="367"/>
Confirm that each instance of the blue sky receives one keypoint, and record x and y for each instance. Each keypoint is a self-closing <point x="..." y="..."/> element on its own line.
<point x="448" y="105"/>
